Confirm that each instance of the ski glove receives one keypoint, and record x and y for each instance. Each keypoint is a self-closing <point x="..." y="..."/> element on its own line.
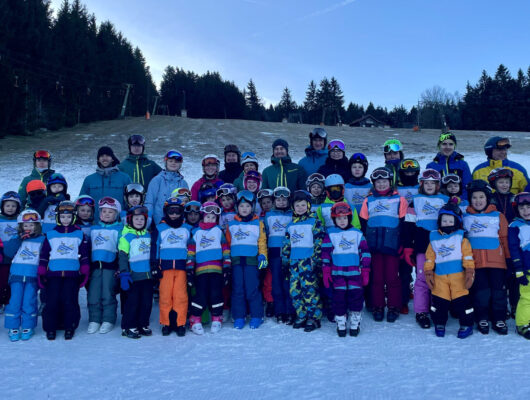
<point x="326" y="276"/>
<point x="408" y="256"/>
<point x="41" y="276"/>
<point x="521" y="278"/>
<point x="156" y="272"/>
<point x="190" y="278"/>
<point x="365" y="276"/>
<point x="262" y="262"/>
<point x="125" y="281"/>
<point x="470" y="277"/>
<point x="84" y="270"/>
<point x="429" y="278"/>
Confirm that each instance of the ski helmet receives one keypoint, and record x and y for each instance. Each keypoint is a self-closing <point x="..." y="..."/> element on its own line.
<point x="85" y="200"/>
<point x="382" y="173"/>
<point x="264" y="193"/>
<point x="337" y="144"/>
<point x="302" y="195"/>
<point x="246" y="196"/>
<point x="450" y="209"/>
<point x="137" y="210"/>
<point x="138" y="140"/>
<point x="29" y="215"/>
<point x="182" y="193"/>
<point x="42" y="154"/>
<point x="282" y="191"/>
<point x="334" y="184"/>
<point x="252" y="175"/>
<point x="192" y="206"/>
<point x="498" y="173"/>
<point x="57" y="178"/>
<point x="249" y="157"/>
<point x="110" y="203"/>
<point x="451" y="178"/>
<point x="173" y="154"/>
<point x="478" y="185"/>
<point x="210" y="159"/>
<point x="318" y="133"/>
<point x="446" y="136"/>
<point x="132" y="188"/>
<point x="35" y="185"/>
<point x="210" y="208"/>
<point x="207" y="190"/>
<point x="496" y="142"/>
<point x="519" y="200"/>
<point x="341" y="209"/>
<point x="65" y="208"/>
<point x="430" y="175"/>
<point x="359" y="158"/>
<point x="174" y="205"/>
<point x="313" y="179"/>
<point x="392" y="145"/>
<point x="10" y="196"/>
<point x="226" y="189"/>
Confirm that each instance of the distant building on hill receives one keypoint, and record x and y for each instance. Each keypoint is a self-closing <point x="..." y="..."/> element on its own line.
<point x="367" y="121"/>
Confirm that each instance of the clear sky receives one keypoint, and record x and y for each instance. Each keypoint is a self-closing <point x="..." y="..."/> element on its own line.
<point x="384" y="51"/>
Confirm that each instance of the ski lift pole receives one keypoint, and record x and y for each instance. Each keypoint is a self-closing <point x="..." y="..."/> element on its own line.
<point x="124" y="106"/>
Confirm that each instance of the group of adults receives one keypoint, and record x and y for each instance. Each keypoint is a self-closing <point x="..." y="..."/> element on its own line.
<point x="322" y="155"/>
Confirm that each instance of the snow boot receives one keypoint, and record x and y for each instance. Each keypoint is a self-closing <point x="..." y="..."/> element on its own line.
<point x="93" y="327"/>
<point x="355" y="323"/>
<point x="289" y="319"/>
<point x="51" y="335"/>
<point x="255" y="323"/>
<point x="166" y="330"/>
<point x="500" y="327"/>
<point x="239" y="323"/>
<point x="217" y="324"/>
<point x="145" y="331"/>
<point x="423" y="320"/>
<point x="69" y="334"/>
<point x="484" y="327"/>
<point x="392" y="314"/>
<point x="299" y="323"/>
<point x="196" y="325"/>
<point x="130" y="333"/>
<point x="464" y="332"/>
<point x="269" y="309"/>
<point x="404" y="310"/>
<point x="439" y="330"/>
<point x="310" y="325"/>
<point x="106" y="327"/>
<point x="14" y="335"/>
<point x="379" y="314"/>
<point x="181" y="331"/>
<point x="27" y="333"/>
<point x="341" y="325"/>
<point x="279" y="318"/>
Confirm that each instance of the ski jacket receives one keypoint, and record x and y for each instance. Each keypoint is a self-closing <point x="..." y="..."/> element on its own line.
<point x="140" y="169"/>
<point x="283" y="172"/>
<point x="197" y="185"/>
<point x="520" y="182"/>
<point x="355" y="191"/>
<point x="324" y="215"/>
<point x="231" y="172"/>
<point x="454" y="164"/>
<point x="313" y="160"/>
<point x="35" y="175"/>
<point x="160" y="190"/>
<point x="303" y="240"/>
<point x="345" y="251"/>
<point x="519" y="242"/>
<point x="9" y="237"/>
<point x="246" y="239"/>
<point x="503" y="203"/>
<point x="340" y="167"/>
<point x="26" y="259"/>
<point x="276" y="222"/>
<point x="408" y="192"/>
<point x="64" y="251"/>
<point x="208" y="250"/>
<point x="135" y="253"/>
<point x="448" y="253"/>
<point x="172" y="246"/>
<point x="104" y="239"/>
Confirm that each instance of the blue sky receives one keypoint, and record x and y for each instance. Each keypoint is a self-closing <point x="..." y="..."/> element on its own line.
<point x="384" y="51"/>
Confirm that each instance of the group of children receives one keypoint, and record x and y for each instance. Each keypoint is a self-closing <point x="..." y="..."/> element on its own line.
<point x="318" y="252"/>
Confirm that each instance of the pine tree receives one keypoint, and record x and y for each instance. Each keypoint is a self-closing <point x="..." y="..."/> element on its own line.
<point x="286" y="104"/>
<point x="254" y="104"/>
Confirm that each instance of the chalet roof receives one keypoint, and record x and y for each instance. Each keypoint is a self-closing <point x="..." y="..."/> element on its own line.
<point x="365" y="117"/>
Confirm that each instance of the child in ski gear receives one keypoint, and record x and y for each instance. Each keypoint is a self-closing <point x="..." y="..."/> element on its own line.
<point x="500" y="180"/>
<point x="21" y="312"/>
<point x="519" y="242"/>
<point x="210" y="168"/>
<point x="137" y="165"/>
<point x="63" y="269"/>
<point x="233" y="166"/>
<point x="183" y="194"/>
<point x="449" y="271"/>
<point x="252" y="183"/>
<point x="315" y="187"/>
<point x="346" y="268"/>
<point x="208" y="268"/>
<point x="276" y="222"/>
<point x="452" y="187"/>
<point x="135" y="274"/>
<point x="382" y="215"/>
<point x="42" y="161"/>
<point x="10" y="206"/>
<point x="104" y="238"/>
<point x="316" y="153"/>
<point x="84" y="208"/>
<point x="421" y="219"/>
<point x="36" y="191"/>
<point x="226" y="198"/>
<point x="163" y="184"/>
<point x="301" y="256"/>
<point x="248" y="250"/>
<point x="172" y="253"/>
<point x="336" y="162"/>
<point x="409" y="171"/>
<point x="393" y="152"/>
<point x="249" y="162"/>
<point x="265" y="201"/>
<point x="57" y="191"/>
<point x="192" y="214"/>
<point x="358" y="186"/>
<point x="487" y="231"/>
<point x="334" y="184"/>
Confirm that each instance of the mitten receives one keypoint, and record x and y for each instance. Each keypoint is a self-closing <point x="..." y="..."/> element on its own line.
<point x="41" y="276"/>
<point x="408" y="255"/>
<point x="125" y="281"/>
<point x="84" y="270"/>
<point x="365" y="276"/>
<point x="326" y="276"/>
<point x="470" y="277"/>
<point x="262" y="262"/>
<point x="429" y="278"/>
<point x="521" y="278"/>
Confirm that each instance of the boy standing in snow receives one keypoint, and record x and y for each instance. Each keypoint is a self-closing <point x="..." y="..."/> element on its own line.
<point x="315" y="187"/>
<point x="301" y="260"/>
<point x="84" y="208"/>
<point x="358" y="186"/>
<point x="57" y="191"/>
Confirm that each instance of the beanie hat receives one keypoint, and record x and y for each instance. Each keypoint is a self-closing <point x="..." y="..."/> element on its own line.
<point x="106" y="150"/>
<point x="280" y="142"/>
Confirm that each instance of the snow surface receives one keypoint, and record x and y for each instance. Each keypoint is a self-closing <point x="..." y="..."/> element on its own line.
<point x="397" y="360"/>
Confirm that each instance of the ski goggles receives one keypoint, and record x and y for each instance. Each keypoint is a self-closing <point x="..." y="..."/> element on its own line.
<point x="248" y="156"/>
<point x="521" y="198"/>
<point x="175" y="155"/>
<point x="320" y="132"/>
<point x="30" y="217"/>
<point x="211" y="209"/>
<point x="446" y="136"/>
<point x="181" y="192"/>
<point x="341" y="209"/>
<point x="139" y="210"/>
<point x="503" y="144"/>
<point x="192" y="206"/>
<point x="11" y="196"/>
<point x="356" y="157"/>
<point x="380" y="174"/>
<point x="282" y="191"/>
<point x="430" y="175"/>
<point x="42" y="154"/>
<point x="134" y="187"/>
<point x="85" y="201"/>
<point x="137" y="139"/>
<point x="394" y="145"/>
<point x="66" y="208"/>
<point x="246" y="195"/>
<point x="336" y="144"/>
<point x="225" y="191"/>
<point x="107" y="201"/>
<point x="174" y="210"/>
<point x="265" y="193"/>
<point x="409" y="164"/>
<point x="451" y="178"/>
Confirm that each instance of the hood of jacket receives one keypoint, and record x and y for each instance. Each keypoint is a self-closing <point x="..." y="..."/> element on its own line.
<point x="107" y="171"/>
<point x="311" y="152"/>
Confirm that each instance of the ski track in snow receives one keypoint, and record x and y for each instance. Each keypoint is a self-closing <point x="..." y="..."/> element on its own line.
<point x="275" y="361"/>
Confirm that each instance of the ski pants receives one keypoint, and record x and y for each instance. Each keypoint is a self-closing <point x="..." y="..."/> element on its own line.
<point x="304" y="290"/>
<point x="23" y="306"/>
<point x="280" y="288"/>
<point x="385" y="272"/>
<point x="489" y="294"/>
<point x="522" y="314"/>
<point x="208" y="293"/>
<point x="513" y="290"/>
<point x="102" y="303"/>
<point x="245" y="288"/>
<point x="266" y="288"/>
<point x="347" y="294"/>
<point x="173" y="296"/>
<point x="4" y="283"/>
<point x="421" y="289"/>
<point x="62" y="302"/>
<point x="405" y="273"/>
<point x="138" y="304"/>
<point x="461" y="307"/>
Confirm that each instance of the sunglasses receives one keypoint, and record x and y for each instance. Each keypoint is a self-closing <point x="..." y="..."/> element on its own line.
<point x="265" y="193"/>
<point x="336" y="144"/>
<point x="282" y="192"/>
<point x="42" y="154"/>
<point x="412" y="164"/>
<point x="30" y="217"/>
<point x="137" y="139"/>
<point x="174" y="155"/>
<point x="451" y="178"/>
<point x="211" y="209"/>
